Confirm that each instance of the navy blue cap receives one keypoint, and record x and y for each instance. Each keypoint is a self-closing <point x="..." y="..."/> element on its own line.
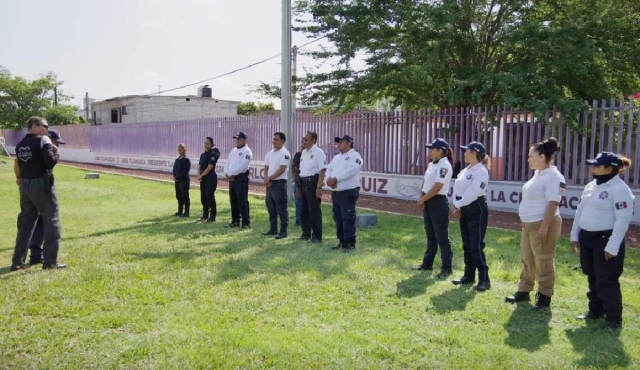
<point x="240" y="135"/>
<point x="344" y="137"/>
<point x="605" y="159"/>
<point x="55" y="135"/>
<point x="476" y="146"/>
<point x="438" y="143"/>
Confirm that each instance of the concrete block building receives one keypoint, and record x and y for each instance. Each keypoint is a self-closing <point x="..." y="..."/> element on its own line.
<point x="146" y="109"/>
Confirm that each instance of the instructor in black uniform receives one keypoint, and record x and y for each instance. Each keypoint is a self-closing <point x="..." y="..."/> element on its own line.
<point x="208" y="180"/>
<point x="36" y="156"/>
<point x="35" y="245"/>
<point x="181" y="168"/>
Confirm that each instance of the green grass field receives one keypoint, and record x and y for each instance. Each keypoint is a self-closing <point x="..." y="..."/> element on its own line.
<point x="145" y="290"/>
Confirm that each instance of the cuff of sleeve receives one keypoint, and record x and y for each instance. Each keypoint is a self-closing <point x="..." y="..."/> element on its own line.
<point x="457" y="204"/>
<point x="612" y="250"/>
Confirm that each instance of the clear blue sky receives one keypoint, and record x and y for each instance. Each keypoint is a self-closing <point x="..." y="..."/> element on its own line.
<point x="123" y="47"/>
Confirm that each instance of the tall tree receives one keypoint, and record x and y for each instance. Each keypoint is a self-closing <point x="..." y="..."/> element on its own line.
<point x="250" y="108"/>
<point x="428" y="53"/>
<point x="21" y="99"/>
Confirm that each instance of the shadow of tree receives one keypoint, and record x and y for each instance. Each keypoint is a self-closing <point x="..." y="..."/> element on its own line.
<point x="600" y="348"/>
<point x="528" y="329"/>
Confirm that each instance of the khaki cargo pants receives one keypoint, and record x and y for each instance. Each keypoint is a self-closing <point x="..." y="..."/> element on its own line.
<point x="538" y="258"/>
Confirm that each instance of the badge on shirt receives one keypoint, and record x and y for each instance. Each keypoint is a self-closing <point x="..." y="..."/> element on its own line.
<point x="469" y="177"/>
<point x="483" y="185"/>
<point x="358" y="161"/>
<point x="240" y="154"/>
<point x="286" y="157"/>
<point x="346" y="158"/>
<point x="24" y="153"/>
<point x="311" y="157"/>
<point x="604" y="195"/>
<point x="621" y="205"/>
<point x="247" y="156"/>
<point x="443" y="173"/>
<point x="563" y="188"/>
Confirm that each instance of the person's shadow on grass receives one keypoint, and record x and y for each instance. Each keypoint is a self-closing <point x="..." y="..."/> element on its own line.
<point x="600" y="348"/>
<point x="528" y="329"/>
<point x="415" y="285"/>
<point x="453" y="299"/>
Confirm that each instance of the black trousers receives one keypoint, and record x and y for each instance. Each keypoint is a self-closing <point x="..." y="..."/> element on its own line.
<point x="605" y="297"/>
<point x="182" y="194"/>
<point x="38" y="199"/>
<point x="35" y="245"/>
<point x="344" y="214"/>
<point x="473" y="227"/>
<point x="311" y="214"/>
<point x="436" y="226"/>
<point x="208" y="187"/>
<point x="239" y="199"/>
<point x="277" y="205"/>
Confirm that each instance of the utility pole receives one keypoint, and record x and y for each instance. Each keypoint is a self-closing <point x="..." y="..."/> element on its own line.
<point x="294" y="69"/>
<point x="86" y="107"/>
<point x="285" y="99"/>
<point x="55" y="95"/>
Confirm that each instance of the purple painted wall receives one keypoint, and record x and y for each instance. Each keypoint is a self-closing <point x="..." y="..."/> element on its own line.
<point x="393" y="142"/>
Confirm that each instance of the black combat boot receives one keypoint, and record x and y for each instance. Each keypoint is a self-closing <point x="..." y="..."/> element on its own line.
<point x="542" y="302"/>
<point x="518" y="297"/>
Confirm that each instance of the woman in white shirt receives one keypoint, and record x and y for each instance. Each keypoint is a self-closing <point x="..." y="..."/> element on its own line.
<point x="435" y="207"/>
<point x="469" y="191"/>
<point x="541" y="225"/>
<point x="602" y="219"/>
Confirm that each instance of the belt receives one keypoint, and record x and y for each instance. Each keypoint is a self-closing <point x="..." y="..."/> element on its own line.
<point x="309" y="178"/>
<point x="279" y="180"/>
<point x="596" y="233"/>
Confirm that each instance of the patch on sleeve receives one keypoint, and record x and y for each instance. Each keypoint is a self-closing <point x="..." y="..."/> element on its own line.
<point x="247" y="157"/>
<point x="483" y="185"/>
<point x="621" y="205"/>
<point x="287" y="157"/>
<point x="358" y="161"/>
<point x="443" y="173"/>
<point x="563" y="188"/>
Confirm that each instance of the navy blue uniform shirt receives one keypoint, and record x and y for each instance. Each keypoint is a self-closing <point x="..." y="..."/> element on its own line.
<point x="35" y="155"/>
<point x="209" y="157"/>
<point x="181" y="168"/>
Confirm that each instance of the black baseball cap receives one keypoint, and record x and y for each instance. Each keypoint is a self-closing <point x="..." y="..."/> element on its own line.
<point x="438" y="143"/>
<point x="605" y="159"/>
<point x="476" y="146"/>
<point x="344" y="137"/>
<point x="55" y="135"/>
<point x="240" y="135"/>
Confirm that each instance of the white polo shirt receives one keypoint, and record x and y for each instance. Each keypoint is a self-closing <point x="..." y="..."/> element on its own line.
<point x="346" y="169"/>
<point x="470" y="185"/>
<point x="275" y="159"/>
<point x="440" y="172"/>
<point x="545" y="186"/>
<point x="312" y="161"/>
<point x="238" y="161"/>
<point x="607" y="206"/>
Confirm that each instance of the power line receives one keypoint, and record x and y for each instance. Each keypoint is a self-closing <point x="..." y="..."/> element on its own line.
<point x="232" y="72"/>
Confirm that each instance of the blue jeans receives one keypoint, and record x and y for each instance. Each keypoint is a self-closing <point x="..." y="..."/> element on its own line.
<point x="297" y="201"/>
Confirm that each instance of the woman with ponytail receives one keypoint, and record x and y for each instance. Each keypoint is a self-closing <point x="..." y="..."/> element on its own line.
<point x="599" y="227"/>
<point x="469" y="191"/>
<point x="541" y="225"/>
<point x="435" y="208"/>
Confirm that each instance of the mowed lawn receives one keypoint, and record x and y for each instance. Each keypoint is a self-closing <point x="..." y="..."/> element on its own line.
<point x="145" y="290"/>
